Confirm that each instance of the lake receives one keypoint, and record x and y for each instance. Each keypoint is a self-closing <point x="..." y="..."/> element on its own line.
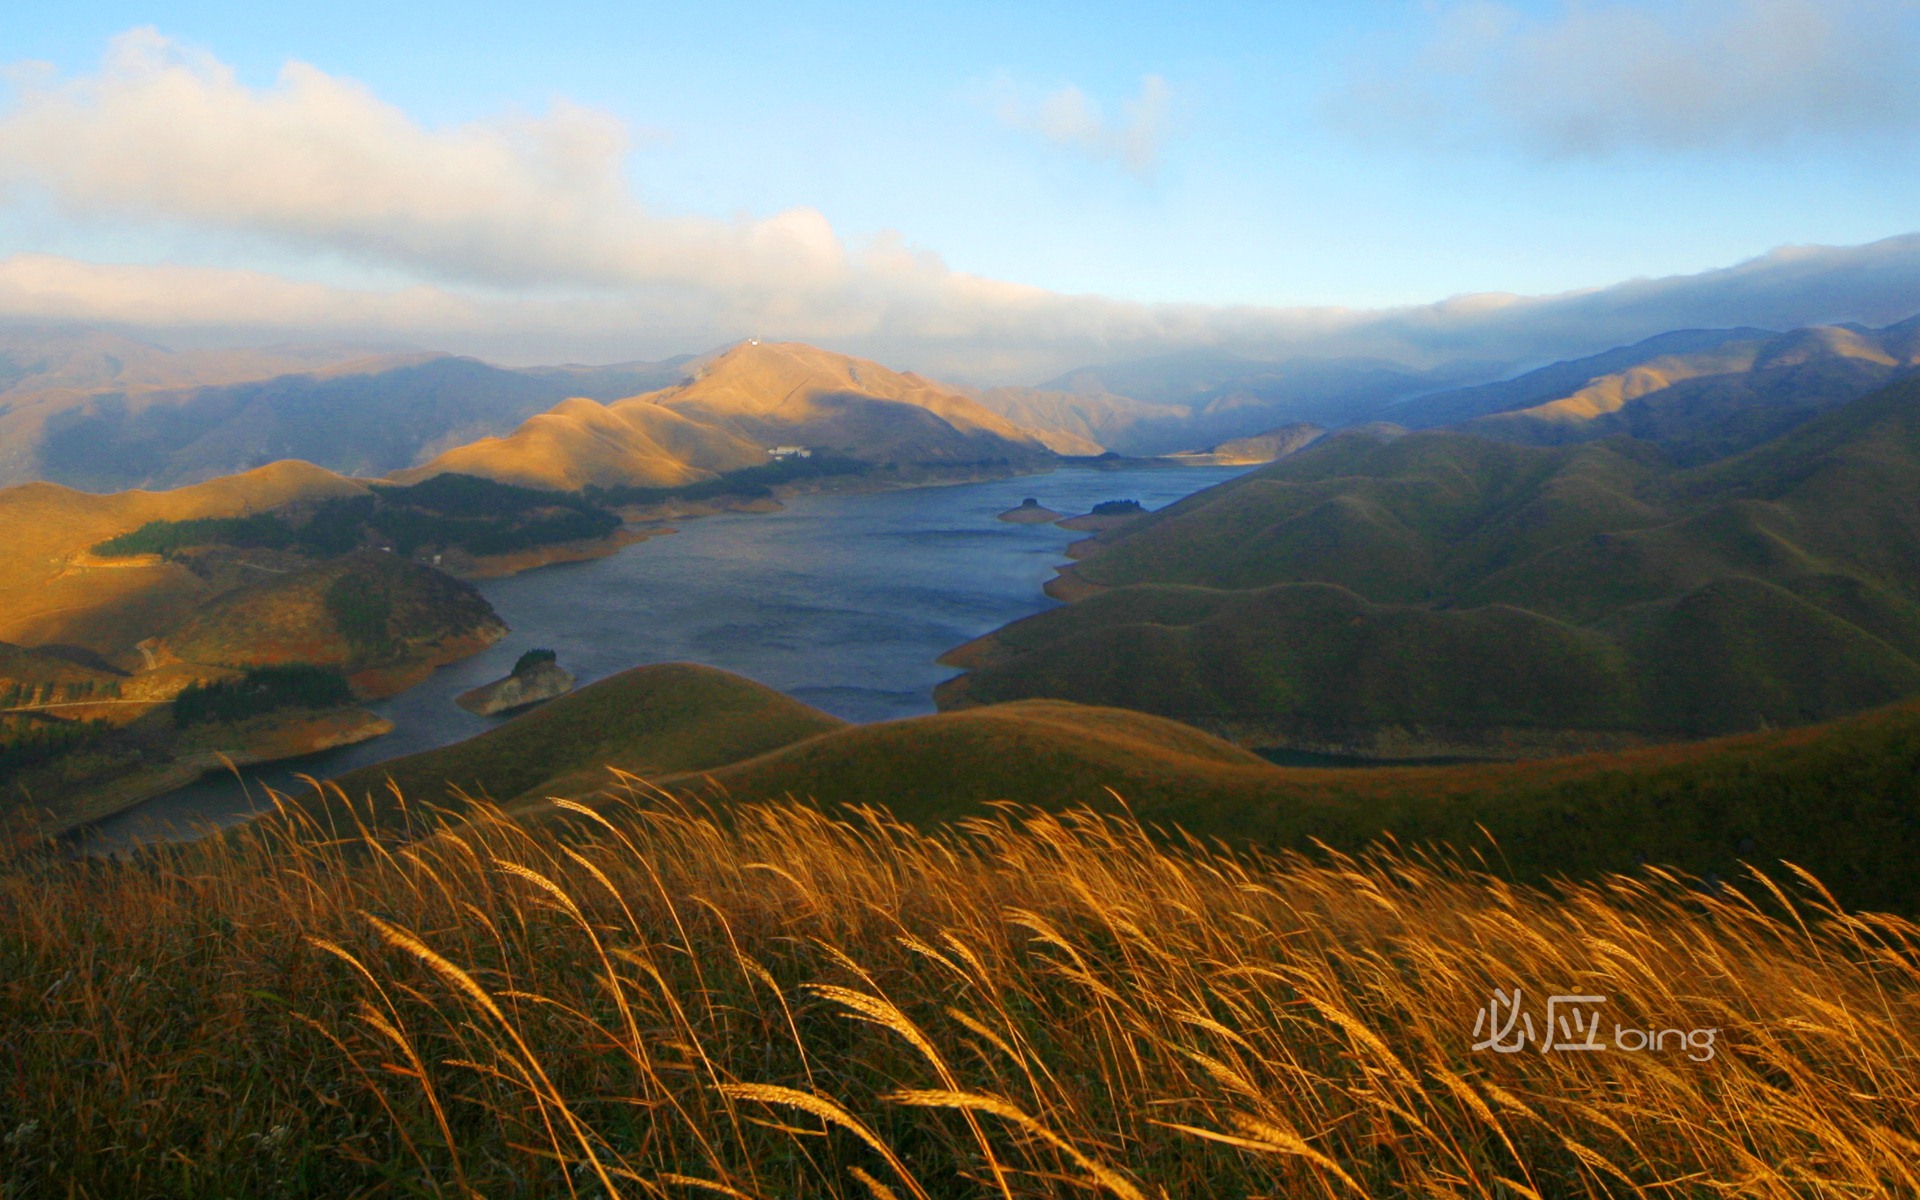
<point x="842" y="601"/>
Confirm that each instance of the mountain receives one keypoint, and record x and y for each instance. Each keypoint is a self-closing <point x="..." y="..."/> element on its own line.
<point x="363" y="418"/>
<point x="116" y="409"/>
<point x="791" y="393"/>
<point x="54" y="591"/>
<point x="580" y="442"/>
<point x="1440" y="594"/>
<point x="1185" y="401"/>
<point x="1837" y="798"/>
<point x="1082" y="423"/>
<point x="99" y="411"/>
<point x="1555" y="380"/>
<point x="615" y="381"/>
<point x="737" y="405"/>
<point x="1702" y="394"/>
<point x="77" y="359"/>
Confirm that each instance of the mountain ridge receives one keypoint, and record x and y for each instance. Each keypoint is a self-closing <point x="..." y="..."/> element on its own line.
<point x="732" y="410"/>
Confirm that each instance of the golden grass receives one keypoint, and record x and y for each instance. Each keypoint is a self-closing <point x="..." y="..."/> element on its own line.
<point x="658" y="1001"/>
<point x="52" y="590"/>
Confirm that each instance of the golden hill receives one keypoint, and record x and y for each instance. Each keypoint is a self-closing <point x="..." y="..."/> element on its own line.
<point x="581" y="442"/>
<point x="36" y="680"/>
<point x="732" y="410"/>
<point x="53" y="591"/>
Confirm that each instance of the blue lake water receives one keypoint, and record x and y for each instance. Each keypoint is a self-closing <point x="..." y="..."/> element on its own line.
<point x="843" y="601"/>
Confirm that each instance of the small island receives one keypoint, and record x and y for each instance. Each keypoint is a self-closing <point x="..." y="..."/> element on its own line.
<point x="1031" y="512"/>
<point x="1108" y="514"/>
<point x="536" y="677"/>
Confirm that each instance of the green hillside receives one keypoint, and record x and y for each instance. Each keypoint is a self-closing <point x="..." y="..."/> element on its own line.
<point x="1439" y="593"/>
<point x="652" y="721"/>
<point x="1841" y="798"/>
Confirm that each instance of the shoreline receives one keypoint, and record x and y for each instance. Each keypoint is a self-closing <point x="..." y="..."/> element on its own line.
<point x="276" y="740"/>
<point x="838" y="485"/>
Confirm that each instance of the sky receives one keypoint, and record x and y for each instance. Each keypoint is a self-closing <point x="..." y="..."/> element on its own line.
<point x="992" y="191"/>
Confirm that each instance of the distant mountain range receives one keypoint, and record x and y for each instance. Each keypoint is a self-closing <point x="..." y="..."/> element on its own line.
<point x="103" y="412"/>
<point x="1701" y="394"/>
<point x="1443" y="594"/>
<point x="1191" y="401"/>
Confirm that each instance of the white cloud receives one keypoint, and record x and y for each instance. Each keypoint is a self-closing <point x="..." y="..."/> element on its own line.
<point x="1593" y="79"/>
<point x="521" y="241"/>
<point x="1071" y="119"/>
<point x="163" y="131"/>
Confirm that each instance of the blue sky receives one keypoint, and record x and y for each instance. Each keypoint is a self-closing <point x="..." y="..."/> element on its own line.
<point x="1362" y="155"/>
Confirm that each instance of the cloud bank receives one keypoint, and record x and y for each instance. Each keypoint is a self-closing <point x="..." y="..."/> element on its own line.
<point x="521" y="240"/>
<point x="1593" y="80"/>
<point x="163" y="131"/>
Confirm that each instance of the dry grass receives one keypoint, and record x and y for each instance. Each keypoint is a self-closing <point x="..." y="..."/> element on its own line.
<point x="657" y="1002"/>
<point x="52" y="590"/>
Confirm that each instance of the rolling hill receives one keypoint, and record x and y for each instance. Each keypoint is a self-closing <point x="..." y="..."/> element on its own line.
<point x="53" y="590"/>
<point x="379" y="618"/>
<point x="652" y="721"/>
<point x="1442" y="594"/>
<point x="1840" y="798"/>
<point x="733" y="408"/>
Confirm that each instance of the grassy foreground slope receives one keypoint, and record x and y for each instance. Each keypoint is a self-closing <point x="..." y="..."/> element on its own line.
<point x="1840" y="799"/>
<point x="1439" y="593"/>
<point x="1043" y="1006"/>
